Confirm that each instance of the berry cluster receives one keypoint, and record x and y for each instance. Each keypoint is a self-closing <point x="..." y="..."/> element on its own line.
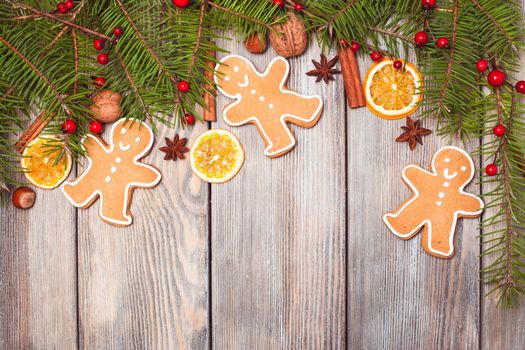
<point x="297" y="6"/>
<point x="65" y="6"/>
<point x="421" y="38"/>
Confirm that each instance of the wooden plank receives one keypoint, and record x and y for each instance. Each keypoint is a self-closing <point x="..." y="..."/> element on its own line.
<point x="38" y="274"/>
<point x="399" y="297"/>
<point x="146" y="286"/>
<point x="278" y="243"/>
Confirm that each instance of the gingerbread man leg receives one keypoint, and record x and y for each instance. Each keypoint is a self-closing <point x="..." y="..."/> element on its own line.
<point x="277" y="136"/>
<point x="405" y="223"/>
<point x="303" y="111"/>
<point x="114" y="207"/>
<point x="84" y="197"/>
<point x="438" y="237"/>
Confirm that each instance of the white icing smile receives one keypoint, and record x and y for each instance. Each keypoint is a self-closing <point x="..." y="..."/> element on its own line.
<point x="246" y="81"/>
<point x="123" y="147"/>
<point x="449" y="176"/>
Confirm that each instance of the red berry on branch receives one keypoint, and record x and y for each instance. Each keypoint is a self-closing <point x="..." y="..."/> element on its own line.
<point x="117" y="31"/>
<point x="100" y="82"/>
<point x="355" y="46"/>
<point x="482" y="65"/>
<point x="428" y="4"/>
<point x="491" y="169"/>
<point x="343" y="43"/>
<point x="520" y="86"/>
<point x="496" y="78"/>
<point x="298" y="7"/>
<point x="278" y="3"/>
<point x="103" y="58"/>
<point x="398" y="64"/>
<point x="61" y="7"/>
<point x="181" y="3"/>
<point x="69" y="4"/>
<point x="376" y="56"/>
<point x="190" y="119"/>
<point x="99" y="44"/>
<point x="499" y="130"/>
<point x="442" y="43"/>
<point x="95" y="127"/>
<point x="69" y="126"/>
<point x="183" y="86"/>
<point x="421" y="38"/>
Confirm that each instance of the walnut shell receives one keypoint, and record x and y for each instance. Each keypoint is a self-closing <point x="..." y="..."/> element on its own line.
<point x="256" y="43"/>
<point x="289" y="39"/>
<point x="106" y="106"/>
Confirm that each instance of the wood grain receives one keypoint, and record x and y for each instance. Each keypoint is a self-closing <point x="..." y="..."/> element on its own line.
<point x="38" y="274"/>
<point x="278" y="232"/>
<point x="399" y="297"/>
<point x="146" y="286"/>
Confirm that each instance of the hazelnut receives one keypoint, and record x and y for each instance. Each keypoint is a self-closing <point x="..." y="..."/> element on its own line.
<point x="289" y="39"/>
<point x="23" y="197"/>
<point x="256" y="43"/>
<point x="106" y="106"/>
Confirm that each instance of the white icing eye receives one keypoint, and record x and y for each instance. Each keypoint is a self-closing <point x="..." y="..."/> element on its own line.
<point x="447" y="160"/>
<point x="123" y="131"/>
<point x="113" y="170"/>
<point x="118" y="160"/>
<point x="446" y="184"/>
<point x="253" y="92"/>
<point x="137" y="140"/>
<point x="261" y="98"/>
<point x="441" y="195"/>
<point x="270" y="106"/>
<point x="463" y="168"/>
<point x="108" y="179"/>
<point x="226" y="78"/>
<point x="236" y="69"/>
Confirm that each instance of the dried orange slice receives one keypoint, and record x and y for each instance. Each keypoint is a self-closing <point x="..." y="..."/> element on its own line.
<point x="216" y="156"/>
<point x="393" y="93"/>
<point x="39" y="165"/>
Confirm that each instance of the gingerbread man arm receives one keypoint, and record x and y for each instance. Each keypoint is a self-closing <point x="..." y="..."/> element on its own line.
<point x="416" y="178"/>
<point x="148" y="175"/>
<point x="471" y="205"/>
<point x="280" y="67"/>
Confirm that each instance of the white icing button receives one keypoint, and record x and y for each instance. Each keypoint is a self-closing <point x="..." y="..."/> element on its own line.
<point x="123" y="131"/>
<point x="113" y="170"/>
<point x="253" y="92"/>
<point x="439" y="203"/>
<point x="137" y="139"/>
<point x="118" y="160"/>
<point x="441" y="195"/>
<point x="108" y="179"/>
<point x="261" y="98"/>
<point x="270" y="106"/>
<point x="463" y="168"/>
<point x="447" y="160"/>
<point x="446" y="184"/>
<point x="226" y="78"/>
<point x="235" y="69"/>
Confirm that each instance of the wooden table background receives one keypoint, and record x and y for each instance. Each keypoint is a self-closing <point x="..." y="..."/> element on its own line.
<point x="291" y="254"/>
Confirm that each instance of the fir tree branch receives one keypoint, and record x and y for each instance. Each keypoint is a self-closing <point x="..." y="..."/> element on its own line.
<point x="199" y="37"/>
<point x="393" y="34"/>
<point x="336" y="16"/>
<point x="238" y="14"/>
<point x="75" y="58"/>
<point x="62" y="31"/>
<point x="448" y="75"/>
<point x="37" y="71"/>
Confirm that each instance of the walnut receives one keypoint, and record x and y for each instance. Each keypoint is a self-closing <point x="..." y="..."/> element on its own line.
<point x="106" y="106"/>
<point x="289" y="39"/>
<point x="256" y="43"/>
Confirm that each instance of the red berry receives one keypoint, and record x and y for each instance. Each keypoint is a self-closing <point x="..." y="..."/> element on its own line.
<point x="103" y="58"/>
<point x="61" y="7"/>
<point x="181" y="3"/>
<point x="421" y="38"/>
<point x="100" y="81"/>
<point x="491" y="169"/>
<point x="343" y="43"/>
<point x="69" y="4"/>
<point x="496" y="78"/>
<point x="376" y="56"/>
<point x="355" y="46"/>
<point x="69" y="126"/>
<point x="95" y="127"/>
<point x="190" y="119"/>
<point x="183" y="86"/>
<point x="442" y="43"/>
<point x="520" y="86"/>
<point x="298" y="7"/>
<point x="499" y="130"/>
<point x="482" y="65"/>
<point x="118" y="31"/>
<point x="428" y="4"/>
<point x="398" y="64"/>
<point x="278" y="3"/>
<point x="99" y="44"/>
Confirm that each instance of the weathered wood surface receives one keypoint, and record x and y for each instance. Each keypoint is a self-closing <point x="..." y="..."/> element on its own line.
<point x="291" y="254"/>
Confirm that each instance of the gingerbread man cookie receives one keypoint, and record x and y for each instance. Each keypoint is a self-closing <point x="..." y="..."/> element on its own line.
<point x="264" y="100"/>
<point x="114" y="171"/>
<point x="438" y="201"/>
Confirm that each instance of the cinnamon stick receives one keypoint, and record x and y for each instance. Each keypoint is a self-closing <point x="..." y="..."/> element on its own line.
<point x="210" y="110"/>
<point x="32" y="132"/>
<point x="352" y="78"/>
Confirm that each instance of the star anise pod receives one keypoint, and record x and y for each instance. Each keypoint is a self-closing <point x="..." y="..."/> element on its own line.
<point x="324" y="70"/>
<point x="412" y="133"/>
<point x="175" y="149"/>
